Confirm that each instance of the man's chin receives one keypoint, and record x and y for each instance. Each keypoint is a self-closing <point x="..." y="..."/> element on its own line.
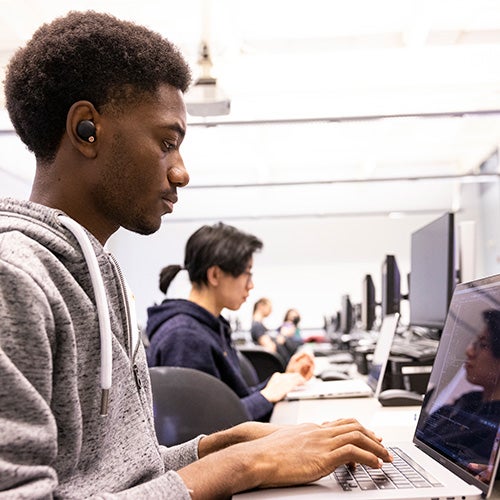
<point x="144" y="227"/>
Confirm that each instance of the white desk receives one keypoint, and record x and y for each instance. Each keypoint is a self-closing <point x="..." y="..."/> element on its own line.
<point x="391" y="423"/>
<point x="395" y="423"/>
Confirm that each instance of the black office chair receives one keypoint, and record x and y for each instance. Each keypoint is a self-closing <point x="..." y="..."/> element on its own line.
<point x="265" y="362"/>
<point x="188" y="402"/>
<point x="247" y="369"/>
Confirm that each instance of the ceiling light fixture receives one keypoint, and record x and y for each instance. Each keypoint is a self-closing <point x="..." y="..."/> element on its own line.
<point x="205" y="97"/>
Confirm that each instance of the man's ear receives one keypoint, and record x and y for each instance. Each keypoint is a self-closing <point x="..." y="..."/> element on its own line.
<point x="213" y="275"/>
<point x="82" y="128"/>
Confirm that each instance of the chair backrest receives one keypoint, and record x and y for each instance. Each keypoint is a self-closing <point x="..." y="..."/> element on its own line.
<point x="188" y="402"/>
<point x="247" y="369"/>
<point x="265" y="362"/>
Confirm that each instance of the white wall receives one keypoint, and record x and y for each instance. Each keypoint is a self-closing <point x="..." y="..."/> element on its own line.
<point x="17" y="167"/>
<point x="305" y="263"/>
<point x="308" y="261"/>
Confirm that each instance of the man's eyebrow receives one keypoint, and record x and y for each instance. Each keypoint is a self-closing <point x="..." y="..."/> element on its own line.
<point x="176" y="128"/>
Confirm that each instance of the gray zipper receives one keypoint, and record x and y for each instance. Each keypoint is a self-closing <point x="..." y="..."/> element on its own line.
<point x="132" y="350"/>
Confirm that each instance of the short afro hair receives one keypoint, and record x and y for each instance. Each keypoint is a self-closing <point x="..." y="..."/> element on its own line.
<point x="85" y="56"/>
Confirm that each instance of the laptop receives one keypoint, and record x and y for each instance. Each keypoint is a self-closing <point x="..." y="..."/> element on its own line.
<point x="356" y="387"/>
<point x="455" y="444"/>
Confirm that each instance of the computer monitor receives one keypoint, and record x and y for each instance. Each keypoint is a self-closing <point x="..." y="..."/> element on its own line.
<point x="368" y="303"/>
<point x="391" y="286"/>
<point x="336" y="321"/>
<point x="346" y="315"/>
<point x="433" y="275"/>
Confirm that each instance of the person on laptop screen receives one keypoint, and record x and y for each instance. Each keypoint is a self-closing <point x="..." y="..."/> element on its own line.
<point x="467" y="426"/>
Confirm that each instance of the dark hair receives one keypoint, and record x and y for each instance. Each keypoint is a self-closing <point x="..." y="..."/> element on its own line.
<point x="85" y="56"/>
<point x="167" y="274"/>
<point x="289" y="312"/>
<point x="218" y="245"/>
<point x="492" y="319"/>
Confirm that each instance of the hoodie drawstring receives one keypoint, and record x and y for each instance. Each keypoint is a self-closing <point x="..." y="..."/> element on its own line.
<point x="102" y="307"/>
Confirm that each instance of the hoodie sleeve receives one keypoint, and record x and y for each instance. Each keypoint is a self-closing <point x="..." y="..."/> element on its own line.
<point x="177" y="457"/>
<point x="258" y="407"/>
<point x="28" y="434"/>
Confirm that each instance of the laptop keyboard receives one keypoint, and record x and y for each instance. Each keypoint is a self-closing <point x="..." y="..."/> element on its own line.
<point x="419" y="350"/>
<point x="402" y="473"/>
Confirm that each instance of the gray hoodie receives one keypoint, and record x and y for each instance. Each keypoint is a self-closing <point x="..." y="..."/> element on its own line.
<point x="53" y="440"/>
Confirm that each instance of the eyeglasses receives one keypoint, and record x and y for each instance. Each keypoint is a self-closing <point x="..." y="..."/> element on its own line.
<point x="249" y="276"/>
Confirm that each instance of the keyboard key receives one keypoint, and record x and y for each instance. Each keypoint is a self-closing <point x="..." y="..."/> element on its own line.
<point x="364" y="485"/>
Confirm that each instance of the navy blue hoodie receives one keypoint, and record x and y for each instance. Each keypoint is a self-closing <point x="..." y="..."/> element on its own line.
<point x="182" y="333"/>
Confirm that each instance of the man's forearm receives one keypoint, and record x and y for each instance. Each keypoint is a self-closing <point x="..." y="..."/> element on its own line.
<point x="247" y="431"/>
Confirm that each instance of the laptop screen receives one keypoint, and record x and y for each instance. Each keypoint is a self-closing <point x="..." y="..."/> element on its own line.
<point x="382" y="352"/>
<point x="460" y="414"/>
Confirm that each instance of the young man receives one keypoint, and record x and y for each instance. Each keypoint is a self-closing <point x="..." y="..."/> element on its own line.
<point x="194" y="334"/>
<point x="100" y="103"/>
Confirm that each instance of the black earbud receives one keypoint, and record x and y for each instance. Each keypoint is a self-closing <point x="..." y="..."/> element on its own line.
<point x="86" y="130"/>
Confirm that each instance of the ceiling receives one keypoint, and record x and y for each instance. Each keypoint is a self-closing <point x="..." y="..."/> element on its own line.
<point x="323" y="91"/>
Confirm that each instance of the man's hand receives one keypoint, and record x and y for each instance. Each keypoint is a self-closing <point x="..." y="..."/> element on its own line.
<point x="309" y="452"/>
<point x="286" y="456"/>
<point x="280" y="384"/>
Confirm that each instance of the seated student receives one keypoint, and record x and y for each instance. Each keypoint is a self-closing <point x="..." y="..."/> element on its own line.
<point x="99" y="102"/>
<point x="261" y="310"/>
<point x="290" y="331"/>
<point x="192" y="333"/>
<point x="278" y="342"/>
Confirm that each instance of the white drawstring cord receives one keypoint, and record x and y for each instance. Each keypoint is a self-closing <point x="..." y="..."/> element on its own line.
<point x="102" y="307"/>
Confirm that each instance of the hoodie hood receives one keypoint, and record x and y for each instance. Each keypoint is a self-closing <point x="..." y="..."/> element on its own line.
<point x="42" y="224"/>
<point x="170" y="308"/>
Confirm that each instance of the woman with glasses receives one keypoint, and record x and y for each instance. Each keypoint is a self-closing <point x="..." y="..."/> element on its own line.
<point x="192" y="333"/>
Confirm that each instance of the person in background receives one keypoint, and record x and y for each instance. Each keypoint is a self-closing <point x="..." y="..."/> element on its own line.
<point x="193" y="334"/>
<point x="290" y="331"/>
<point x="261" y="310"/>
<point x="290" y="327"/>
<point x="99" y="101"/>
<point x="274" y="341"/>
